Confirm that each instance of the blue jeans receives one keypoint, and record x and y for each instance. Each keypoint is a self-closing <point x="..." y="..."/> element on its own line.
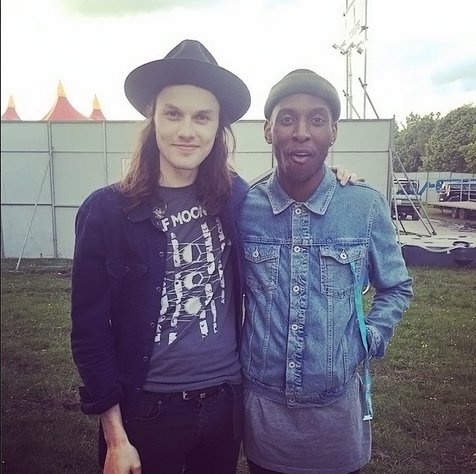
<point x="193" y="436"/>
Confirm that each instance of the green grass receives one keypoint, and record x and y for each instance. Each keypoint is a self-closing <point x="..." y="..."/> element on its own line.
<point x="43" y="430"/>
<point x="424" y="389"/>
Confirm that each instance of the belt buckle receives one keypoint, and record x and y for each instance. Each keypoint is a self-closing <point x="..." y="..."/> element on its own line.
<point x="186" y="396"/>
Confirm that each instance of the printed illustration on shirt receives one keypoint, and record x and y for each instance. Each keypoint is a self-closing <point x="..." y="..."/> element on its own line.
<point x="194" y="284"/>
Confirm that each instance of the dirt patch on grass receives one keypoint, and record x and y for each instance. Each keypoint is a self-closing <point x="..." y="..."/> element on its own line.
<point x="445" y="219"/>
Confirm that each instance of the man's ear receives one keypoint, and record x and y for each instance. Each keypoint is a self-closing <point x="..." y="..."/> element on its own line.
<point x="267" y="132"/>
<point x="334" y="133"/>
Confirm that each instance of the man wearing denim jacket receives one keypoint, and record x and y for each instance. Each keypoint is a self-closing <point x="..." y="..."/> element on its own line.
<point x="309" y="245"/>
<point x="157" y="281"/>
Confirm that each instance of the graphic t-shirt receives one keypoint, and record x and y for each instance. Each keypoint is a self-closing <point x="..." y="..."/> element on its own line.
<point x="195" y="343"/>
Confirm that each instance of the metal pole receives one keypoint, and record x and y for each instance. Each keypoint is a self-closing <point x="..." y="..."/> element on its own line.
<point x="368" y="97"/>
<point x="407" y="177"/>
<point x="390" y="193"/>
<point x="34" y="212"/>
<point x="52" y="192"/>
<point x="1" y="223"/>
<point x="3" y="243"/>
<point x="349" y="79"/>
<point x="348" y="113"/>
<point x="354" y="109"/>
<point x="104" y="143"/>
<point x="347" y="104"/>
<point x="365" y="62"/>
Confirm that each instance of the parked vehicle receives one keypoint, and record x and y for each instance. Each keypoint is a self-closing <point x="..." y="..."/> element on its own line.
<point x="405" y="199"/>
<point x="464" y="190"/>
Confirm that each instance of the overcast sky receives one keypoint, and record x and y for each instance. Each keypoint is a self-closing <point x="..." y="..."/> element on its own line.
<point x="421" y="54"/>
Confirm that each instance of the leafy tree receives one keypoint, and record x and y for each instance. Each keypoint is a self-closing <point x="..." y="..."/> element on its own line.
<point x="469" y="151"/>
<point x="451" y="146"/>
<point x="411" y="140"/>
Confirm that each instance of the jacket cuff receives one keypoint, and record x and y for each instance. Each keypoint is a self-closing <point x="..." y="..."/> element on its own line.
<point x="375" y="343"/>
<point x="91" y="406"/>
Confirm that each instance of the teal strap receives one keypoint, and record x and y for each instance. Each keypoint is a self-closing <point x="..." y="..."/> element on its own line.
<point x="367" y="377"/>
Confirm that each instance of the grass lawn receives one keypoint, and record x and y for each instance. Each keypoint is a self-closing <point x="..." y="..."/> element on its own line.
<point x="424" y="390"/>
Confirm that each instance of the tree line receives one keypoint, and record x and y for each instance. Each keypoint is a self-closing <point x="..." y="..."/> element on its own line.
<point x="435" y="143"/>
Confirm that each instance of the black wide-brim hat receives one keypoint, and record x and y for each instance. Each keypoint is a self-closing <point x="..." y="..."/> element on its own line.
<point x="188" y="63"/>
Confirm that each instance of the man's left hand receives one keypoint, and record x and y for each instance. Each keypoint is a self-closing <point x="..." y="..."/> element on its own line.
<point x="345" y="176"/>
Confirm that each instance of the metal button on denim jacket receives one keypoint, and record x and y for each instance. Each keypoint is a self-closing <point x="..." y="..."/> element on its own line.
<point x="301" y="342"/>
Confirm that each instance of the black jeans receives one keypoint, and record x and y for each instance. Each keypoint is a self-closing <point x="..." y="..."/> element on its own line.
<point x="194" y="436"/>
<point x="255" y="469"/>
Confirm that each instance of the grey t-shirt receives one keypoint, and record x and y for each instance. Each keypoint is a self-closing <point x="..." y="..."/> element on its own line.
<point x="195" y="344"/>
<point x="332" y="439"/>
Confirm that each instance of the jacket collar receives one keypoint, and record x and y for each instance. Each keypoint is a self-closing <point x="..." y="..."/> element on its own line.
<point x="318" y="202"/>
<point x="142" y="211"/>
<point x="150" y="208"/>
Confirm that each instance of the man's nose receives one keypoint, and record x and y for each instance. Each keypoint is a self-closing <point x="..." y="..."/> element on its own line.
<point x="186" y="129"/>
<point x="301" y="131"/>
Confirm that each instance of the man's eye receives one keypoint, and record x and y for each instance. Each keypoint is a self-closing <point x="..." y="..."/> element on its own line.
<point x="172" y="114"/>
<point x="285" y="120"/>
<point x="318" y="120"/>
<point x="203" y="117"/>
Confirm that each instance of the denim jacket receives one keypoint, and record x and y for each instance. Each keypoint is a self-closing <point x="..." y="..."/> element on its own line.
<point x="118" y="271"/>
<point x="301" y="343"/>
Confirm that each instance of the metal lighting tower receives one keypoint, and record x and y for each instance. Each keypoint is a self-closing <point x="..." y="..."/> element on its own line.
<point x="355" y="38"/>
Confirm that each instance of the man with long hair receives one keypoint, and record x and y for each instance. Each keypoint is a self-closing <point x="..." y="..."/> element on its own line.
<point x="157" y="282"/>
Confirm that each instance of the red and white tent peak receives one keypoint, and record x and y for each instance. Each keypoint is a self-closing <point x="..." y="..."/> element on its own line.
<point x="96" y="114"/>
<point x="10" y="112"/>
<point x="62" y="109"/>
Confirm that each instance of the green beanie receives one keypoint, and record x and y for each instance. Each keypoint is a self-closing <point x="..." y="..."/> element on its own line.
<point x="303" y="81"/>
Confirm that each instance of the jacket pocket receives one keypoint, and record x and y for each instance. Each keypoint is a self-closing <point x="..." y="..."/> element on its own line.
<point x="337" y="278"/>
<point x="126" y="269"/>
<point x="261" y="272"/>
<point x="126" y="279"/>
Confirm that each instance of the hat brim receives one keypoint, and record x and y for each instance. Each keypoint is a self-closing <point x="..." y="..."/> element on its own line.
<point x="144" y="83"/>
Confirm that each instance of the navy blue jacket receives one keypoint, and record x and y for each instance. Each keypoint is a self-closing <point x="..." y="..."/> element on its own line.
<point x="118" y="271"/>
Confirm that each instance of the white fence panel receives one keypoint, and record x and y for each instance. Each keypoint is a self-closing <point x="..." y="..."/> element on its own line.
<point x="75" y="158"/>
